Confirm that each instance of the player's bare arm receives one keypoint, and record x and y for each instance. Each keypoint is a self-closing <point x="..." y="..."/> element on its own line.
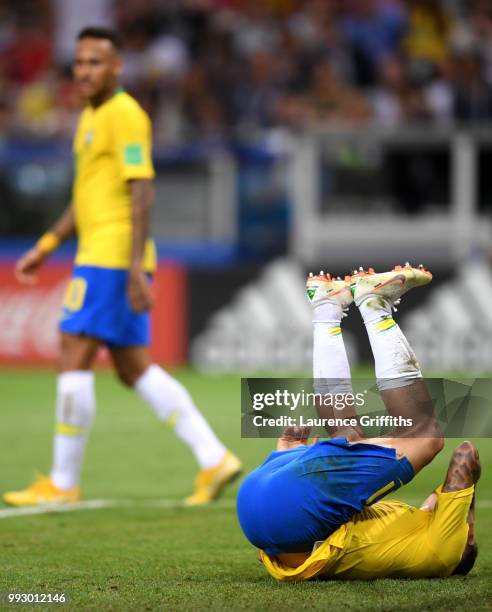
<point x="464" y="471"/>
<point x="28" y="265"/>
<point x="292" y="437"/>
<point x="142" y="193"/>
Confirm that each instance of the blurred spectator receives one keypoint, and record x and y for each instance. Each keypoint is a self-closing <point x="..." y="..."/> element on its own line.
<point x="27" y="54"/>
<point x="472" y="94"/>
<point x="428" y="37"/>
<point x="257" y="91"/>
<point x="202" y="111"/>
<point x="330" y="100"/>
<point x="137" y="41"/>
<point x="438" y="94"/>
<point x="255" y="30"/>
<point x="166" y="58"/>
<point x="481" y="27"/>
<point x="70" y="16"/>
<point x="49" y="105"/>
<point x="6" y="27"/>
<point x="373" y="30"/>
<point x="213" y="66"/>
<point x="36" y="105"/>
<point x="290" y="111"/>
<point x="314" y="33"/>
<point x="397" y="100"/>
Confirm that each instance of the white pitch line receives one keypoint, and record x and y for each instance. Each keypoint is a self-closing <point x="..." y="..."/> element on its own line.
<point x="169" y="504"/>
<point x="98" y="504"/>
<point x="165" y="504"/>
<point x="93" y="504"/>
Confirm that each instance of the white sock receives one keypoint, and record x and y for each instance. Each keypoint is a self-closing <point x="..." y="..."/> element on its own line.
<point x="172" y="403"/>
<point x="75" y="409"/>
<point x="330" y="359"/>
<point x="395" y="361"/>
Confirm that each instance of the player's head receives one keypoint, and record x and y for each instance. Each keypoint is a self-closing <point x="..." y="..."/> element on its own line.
<point x="97" y="64"/>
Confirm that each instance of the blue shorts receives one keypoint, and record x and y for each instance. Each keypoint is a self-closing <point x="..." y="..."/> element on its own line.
<point x="300" y="496"/>
<point x="96" y="305"/>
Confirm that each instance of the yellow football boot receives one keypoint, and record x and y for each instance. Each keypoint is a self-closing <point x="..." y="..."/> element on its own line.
<point x="323" y="288"/>
<point x="40" y="493"/>
<point x="210" y="482"/>
<point x="389" y="286"/>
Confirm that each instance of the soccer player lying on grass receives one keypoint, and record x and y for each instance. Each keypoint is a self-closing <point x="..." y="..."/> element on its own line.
<point x="391" y="539"/>
<point x="300" y="496"/>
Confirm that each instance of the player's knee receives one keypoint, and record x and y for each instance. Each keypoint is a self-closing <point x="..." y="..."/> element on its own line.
<point x="433" y="447"/>
<point x="128" y="375"/>
<point x="125" y="377"/>
<point x="438" y="444"/>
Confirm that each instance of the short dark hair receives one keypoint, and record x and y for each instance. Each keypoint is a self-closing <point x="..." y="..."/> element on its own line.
<point x="102" y="33"/>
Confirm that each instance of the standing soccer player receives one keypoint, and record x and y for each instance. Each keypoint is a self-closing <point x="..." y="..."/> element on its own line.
<point x="108" y="299"/>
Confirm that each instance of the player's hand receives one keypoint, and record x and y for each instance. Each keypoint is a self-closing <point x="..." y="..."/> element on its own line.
<point x="139" y="291"/>
<point x="293" y="437"/>
<point x="27" y="267"/>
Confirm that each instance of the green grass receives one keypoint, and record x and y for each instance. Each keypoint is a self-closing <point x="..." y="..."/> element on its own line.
<point x="146" y="558"/>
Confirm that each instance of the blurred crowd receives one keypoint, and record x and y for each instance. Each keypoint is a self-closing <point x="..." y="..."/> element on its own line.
<point x="217" y="66"/>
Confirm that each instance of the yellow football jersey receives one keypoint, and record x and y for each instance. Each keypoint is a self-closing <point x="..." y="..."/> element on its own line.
<point x="112" y="145"/>
<point x="389" y="539"/>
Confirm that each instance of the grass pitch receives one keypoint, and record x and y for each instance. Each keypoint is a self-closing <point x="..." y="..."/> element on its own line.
<point x="143" y="552"/>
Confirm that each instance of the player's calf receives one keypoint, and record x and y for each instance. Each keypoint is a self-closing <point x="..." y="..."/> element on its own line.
<point x="330" y="299"/>
<point x="376" y="296"/>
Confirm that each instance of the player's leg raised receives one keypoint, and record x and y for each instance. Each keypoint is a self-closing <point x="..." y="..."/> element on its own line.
<point x="398" y="373"/>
